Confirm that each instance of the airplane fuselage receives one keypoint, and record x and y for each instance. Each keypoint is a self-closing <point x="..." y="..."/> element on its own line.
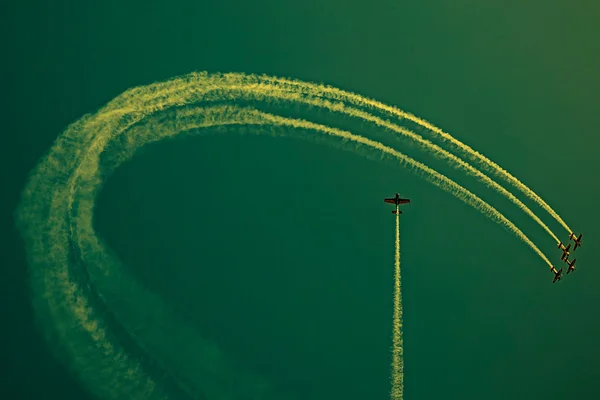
<point x="397" y="200"/>
<point x="557" y="274"/>
<point x="576" y="239"/>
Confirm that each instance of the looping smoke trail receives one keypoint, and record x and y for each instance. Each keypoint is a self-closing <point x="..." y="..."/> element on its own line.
<point x="429" y="146"/>
<point x="429" y="174"/>
<point x="397" y="391"/>
<point x="468" y="152"/>
<point x="120" y="339"/>
<point x="265" y="89"/>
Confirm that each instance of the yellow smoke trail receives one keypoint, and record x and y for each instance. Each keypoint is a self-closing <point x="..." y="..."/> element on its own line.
<point x="433" y="148"/>
<point x="195" y="87"/>
<point x="263" y="89"/>
<point x="397" y="391"/>
<point x="473" y="155"/>
<point x="493" y="167"/>
<point x="55" y="218"/>
<point x="426" y="172"/>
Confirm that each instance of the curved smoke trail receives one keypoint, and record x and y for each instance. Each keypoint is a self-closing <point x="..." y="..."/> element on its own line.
<point x="121" y="340"/>
<point x="269" y="89"/>
<point x="429" y="146"/>
<point x="468" y="152"/>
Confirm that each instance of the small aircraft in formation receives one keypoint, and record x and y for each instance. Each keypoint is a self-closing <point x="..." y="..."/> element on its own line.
<point x="571" y="265"/>
<point x="576" y="240"/>
<point x="397" y="200"/>
<point x="565" y="257"/>
<point x="565" y="250"/>
<point x="557" y="274"/>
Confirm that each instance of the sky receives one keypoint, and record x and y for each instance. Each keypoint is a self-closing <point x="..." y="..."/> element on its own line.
<point x="281" y="250"/>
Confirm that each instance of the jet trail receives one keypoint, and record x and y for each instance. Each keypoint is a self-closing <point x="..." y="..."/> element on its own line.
<point x="492" y="167"/>
<point x="473" y="155"/>
<point x="429" y="146"/>
<point x="313" y="95"/>
<point x="397" y="392"/>
<point x="76" y="280"/>
<point x="439" y="180"/>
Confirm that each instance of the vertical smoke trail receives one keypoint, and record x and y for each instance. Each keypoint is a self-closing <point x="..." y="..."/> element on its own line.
<point x="397" y="379"/>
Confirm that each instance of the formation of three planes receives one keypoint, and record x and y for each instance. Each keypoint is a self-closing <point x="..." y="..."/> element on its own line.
<point x="397" y="200"/>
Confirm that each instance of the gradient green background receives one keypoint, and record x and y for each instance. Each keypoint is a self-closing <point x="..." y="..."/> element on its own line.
<point x="282" y="250"/>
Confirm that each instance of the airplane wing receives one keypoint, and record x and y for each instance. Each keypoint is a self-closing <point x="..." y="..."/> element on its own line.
<point x="558" y="276"/>
<point x="404" y="201"/>
<point x="391" y="201"/>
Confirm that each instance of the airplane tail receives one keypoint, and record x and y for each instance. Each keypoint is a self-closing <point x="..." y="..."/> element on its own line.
<point x="560" y="244"/>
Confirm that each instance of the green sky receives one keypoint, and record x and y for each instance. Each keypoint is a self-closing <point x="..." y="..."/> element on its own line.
<point x="281" y="250"/>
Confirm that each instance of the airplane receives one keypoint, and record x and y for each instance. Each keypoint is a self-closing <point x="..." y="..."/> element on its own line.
<point x="576" y="240"/>
<point x="565" y="251"/>
<point x="396" y="200"/>
<point x="571" y="266"/>
<point x="557" y="274"/>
